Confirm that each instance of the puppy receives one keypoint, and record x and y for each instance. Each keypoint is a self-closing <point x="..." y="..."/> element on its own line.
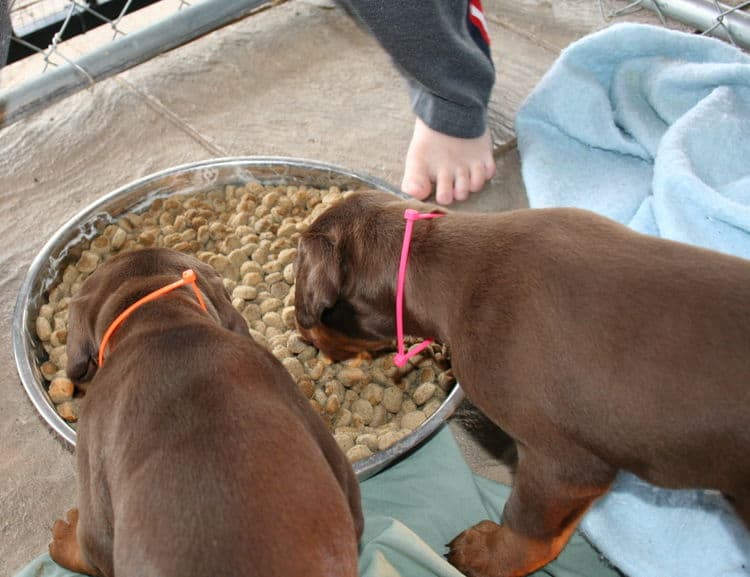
<point x="196" y="453"/>
<point x="596" y="348"/>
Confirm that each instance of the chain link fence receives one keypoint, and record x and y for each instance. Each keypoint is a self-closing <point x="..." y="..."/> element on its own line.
<point x="122" y="33"/>
<point x="729" y="20"/>
<point x="120" y="40"/>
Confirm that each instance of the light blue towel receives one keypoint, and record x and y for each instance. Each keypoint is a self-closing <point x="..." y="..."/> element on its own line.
<point x="651" y="128"/>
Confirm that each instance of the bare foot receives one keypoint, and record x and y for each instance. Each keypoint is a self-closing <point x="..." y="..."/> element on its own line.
<point x="64" y="548"/>
<point x="457" y="166"/>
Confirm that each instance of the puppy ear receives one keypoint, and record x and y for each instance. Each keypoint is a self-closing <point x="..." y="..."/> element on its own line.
<point x="319" y="278"/>
<point x="80" y="347"/>
<point x="210" y="282"/>
<point x="231" y="318"/>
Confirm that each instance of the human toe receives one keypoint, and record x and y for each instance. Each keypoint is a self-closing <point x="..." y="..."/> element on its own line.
<point x="416" y="181"/>
<point x="444" y="191"/>
<point x="462" y="184"/>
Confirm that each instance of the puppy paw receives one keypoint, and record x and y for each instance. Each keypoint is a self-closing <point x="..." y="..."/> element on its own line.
<point x="474" y="551"/>
<point x="64" y="548"/>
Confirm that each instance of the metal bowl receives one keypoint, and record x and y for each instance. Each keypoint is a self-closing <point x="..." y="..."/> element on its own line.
<point x="189" y="178"/>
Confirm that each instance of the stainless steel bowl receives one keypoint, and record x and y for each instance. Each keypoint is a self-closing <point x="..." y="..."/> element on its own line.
<point x="189" y="178"/>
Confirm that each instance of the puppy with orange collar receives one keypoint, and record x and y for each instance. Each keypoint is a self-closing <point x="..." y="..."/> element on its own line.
<point x="596" y="348"/>
<point x="196" y="452"/>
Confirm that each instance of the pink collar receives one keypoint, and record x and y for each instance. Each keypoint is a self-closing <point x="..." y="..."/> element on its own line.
<point x="400" y="359"/>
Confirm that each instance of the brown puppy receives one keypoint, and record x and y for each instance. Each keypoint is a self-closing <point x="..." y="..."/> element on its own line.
<point x="596" y="348"/>
<point x="196" y="453"/>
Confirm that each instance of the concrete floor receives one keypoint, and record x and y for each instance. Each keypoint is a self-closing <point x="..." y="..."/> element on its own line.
<point x="300" y="80"/>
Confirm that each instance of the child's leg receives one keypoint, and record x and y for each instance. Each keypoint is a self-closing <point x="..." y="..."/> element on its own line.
<point x="443" y="50"/>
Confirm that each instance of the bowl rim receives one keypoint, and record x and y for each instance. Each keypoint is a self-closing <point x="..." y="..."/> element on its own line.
<point x="23" y="353"/>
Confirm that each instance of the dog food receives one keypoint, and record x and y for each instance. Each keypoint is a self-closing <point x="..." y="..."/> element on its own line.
<point x="249" y="234"/>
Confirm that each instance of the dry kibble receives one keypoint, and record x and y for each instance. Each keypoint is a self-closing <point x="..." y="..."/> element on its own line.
<point x="251" y="312"/>
<point x="271" y="267"/>
<point x="295" y="343"/>
<point x="373" y="393"/>
<point x="310" y="352"/>
<point x="288" y="274"/>
<point x="332" y="405"/>
<point x="316" y="369"/>
<point x="431" y="407"/>
<point x="58" y="337"/>
<point x="344" y="418"/>
<point x="408" y="406"/>
<point x="446" y="380"/>
<point x="369" y="440"/>
<point x="171" y="240"/>
<point x="320" y="397"/>
<point x="358" y="452"/>
<point x="260" y="255"/>
<point x="68" y="410"/>
<point x="187" y="235"/>
<point x="48" y="370"/>
<point x="146" y="238"/>
<point x="344" y="441"/>
<point x="60" y="322"/>
<point x="287" y="229"/>
<point x="423" y="393"/>
<point x="43" y="329"/>
<point x="252" y="279"/>
<point x="363" y="408"/>
<point x="289" y="298"/>
<point x="46" y="311"/>
<point x="229" y="284"/>
<point x="269" y="305"/>
<point x="60" y="390"/>
<point x="220" y="263"/>
<point x="288" y="318"/>
<point x="273" y="320"/>
<point x="294" y="367"/>
<point x="273" y="331"/>
<point x="412" y="420"/>
<point x="273" y="277"/>
<point x="287" y="256"/>
<point x="280" y="352"/>
<point x="351" y="376"/>
<point x="249" y="266"/>
<point x="88" y="262"/>
<point x="392" y="399"/>
<point x="100" y="245"/>
<point x="279" y="290"/>
<point x="350" y="396"/>
<point x="390" y="438"/>
<point x="236" y="256"/>
<point x="259" y="337"/>
<point x="306" y="385"/>
<point x="379" y="416"/>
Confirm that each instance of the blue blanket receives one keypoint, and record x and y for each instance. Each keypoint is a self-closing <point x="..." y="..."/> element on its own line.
<point x="651" y="128"/>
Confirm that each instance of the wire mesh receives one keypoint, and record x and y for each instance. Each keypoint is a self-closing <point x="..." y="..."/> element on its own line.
<point x="729" y="20"/>
<point x="45" y="29"/>
<point x="144" y="34"/>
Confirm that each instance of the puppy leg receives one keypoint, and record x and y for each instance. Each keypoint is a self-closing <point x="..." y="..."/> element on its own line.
<point x="541" y="514"/>
<point x="65" y="549"/>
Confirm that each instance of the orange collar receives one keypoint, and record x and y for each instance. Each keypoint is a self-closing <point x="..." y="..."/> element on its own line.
<point x="188" y="277"/>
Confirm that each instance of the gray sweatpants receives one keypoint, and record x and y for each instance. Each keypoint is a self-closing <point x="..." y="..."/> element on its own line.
<point x="5" y="30"/>
<point x="442" y="49"/>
